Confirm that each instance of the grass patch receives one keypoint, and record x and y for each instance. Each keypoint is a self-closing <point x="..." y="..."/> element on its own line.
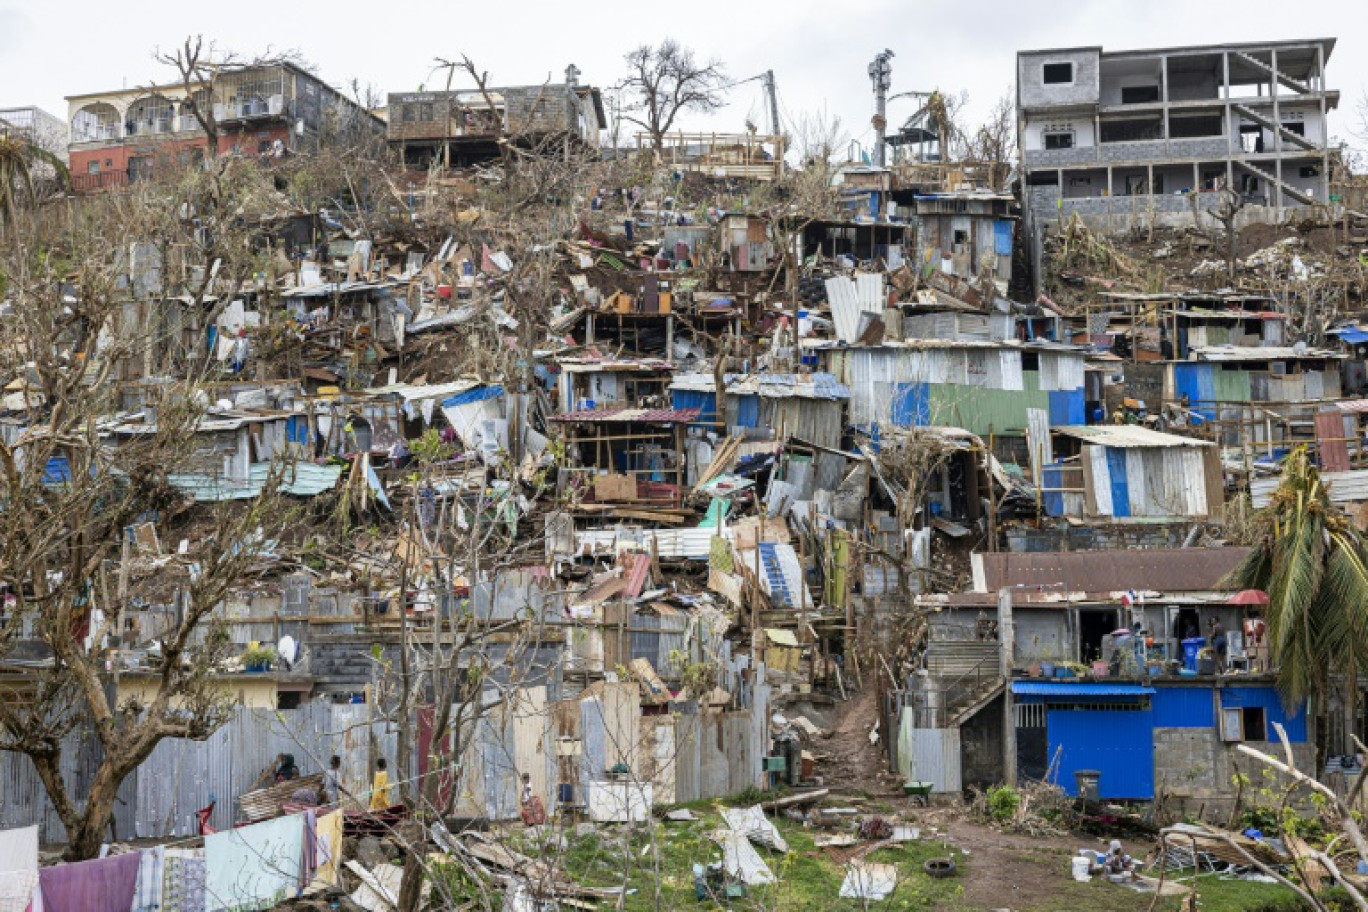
<point x="807" y="878"/>
<point x="656" y="861"/>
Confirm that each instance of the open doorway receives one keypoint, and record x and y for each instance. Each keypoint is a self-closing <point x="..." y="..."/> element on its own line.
<point x="1186" y="624"/>
<point x="1093" y="625"/>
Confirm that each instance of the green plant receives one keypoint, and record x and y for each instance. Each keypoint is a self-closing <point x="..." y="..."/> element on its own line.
<point x="1003" y="803"/>
<point x="258" y="656"/>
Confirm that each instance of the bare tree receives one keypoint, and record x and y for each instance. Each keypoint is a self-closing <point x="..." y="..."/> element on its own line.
<point x="69" y="498"/>
<point x="993" y="144"/>
<point x="198" y="67"/>
<point x="666" y="81"/>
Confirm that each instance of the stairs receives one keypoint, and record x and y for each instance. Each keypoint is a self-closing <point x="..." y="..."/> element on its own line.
<point x="968" y="702"/>
<point x="1293" y="192"/>
<point x="1295" y="85"/>
<point x="1268" y="124"/>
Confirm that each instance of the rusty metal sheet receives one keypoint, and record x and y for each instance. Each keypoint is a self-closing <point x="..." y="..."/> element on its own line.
<point x="1330" y="439"/>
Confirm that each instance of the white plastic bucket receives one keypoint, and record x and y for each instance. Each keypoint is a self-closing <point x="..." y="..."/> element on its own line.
<point x="1081" y="866"/>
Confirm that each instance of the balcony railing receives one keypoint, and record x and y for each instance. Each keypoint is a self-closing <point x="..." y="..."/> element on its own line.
<point x="102" y="180"/>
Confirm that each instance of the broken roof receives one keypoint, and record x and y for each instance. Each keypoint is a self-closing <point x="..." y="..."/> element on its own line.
<point x="650" y="416"/>
<point x="1265" y="353"/>
<point x="771" y="386"/>
<point x="1128" y="436"/>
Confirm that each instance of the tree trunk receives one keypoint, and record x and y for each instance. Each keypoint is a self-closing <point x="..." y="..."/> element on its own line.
<point x="84" y="839"/>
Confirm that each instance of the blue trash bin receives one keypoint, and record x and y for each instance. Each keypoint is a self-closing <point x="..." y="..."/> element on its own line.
<point x="1190" y="650"/>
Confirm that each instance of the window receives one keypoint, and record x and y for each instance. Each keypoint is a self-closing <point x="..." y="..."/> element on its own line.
<point x="1139" y="94"/>
<point x="1243" y="723"/>
<point x="288" y="699"/>
<point x="1296" y="127"/>
<point x="1309" y="171"/>
<point x="1132" y="129"/>
<point x="1042" y="179"/>
<point x="1059" y="140"/>
<point x="1058" y="73"/>
<point x="961" y="237"/>
<point x="93" y="167"/>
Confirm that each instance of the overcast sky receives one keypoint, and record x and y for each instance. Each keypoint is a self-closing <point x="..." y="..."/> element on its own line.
<point x="818" y="50"/>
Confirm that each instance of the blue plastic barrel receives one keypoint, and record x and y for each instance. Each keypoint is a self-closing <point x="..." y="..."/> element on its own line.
<point x="1190" y="650"/>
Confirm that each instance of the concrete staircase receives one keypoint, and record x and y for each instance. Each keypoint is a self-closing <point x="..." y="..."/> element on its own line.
<point x="1292" y="192"/>
<point x="1268" y="124"/>
<point x="1295" y="85"/>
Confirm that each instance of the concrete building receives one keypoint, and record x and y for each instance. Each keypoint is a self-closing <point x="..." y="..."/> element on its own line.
<point x="461" y="127"/>
<point x="120" y="136"/>
<point x="1121" y="135"/>
<point x="44" y="130"/>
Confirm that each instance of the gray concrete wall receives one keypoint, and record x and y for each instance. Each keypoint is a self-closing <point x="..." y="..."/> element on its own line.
<point x="981" y="747"/>
<point x="1033" y="92"/>
<point x="1193" y="769"/>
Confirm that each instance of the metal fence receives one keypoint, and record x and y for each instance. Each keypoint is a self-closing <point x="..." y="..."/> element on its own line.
<point x="716" y="753"/>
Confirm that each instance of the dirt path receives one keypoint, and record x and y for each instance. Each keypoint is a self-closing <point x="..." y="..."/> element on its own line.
<point x="850" y="763"/>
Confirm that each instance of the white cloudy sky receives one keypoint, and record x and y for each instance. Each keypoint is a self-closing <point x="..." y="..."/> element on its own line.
<point x="818" y="50"/>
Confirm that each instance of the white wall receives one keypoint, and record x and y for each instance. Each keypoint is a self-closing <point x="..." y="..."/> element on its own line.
<point x="1082" y="127"/>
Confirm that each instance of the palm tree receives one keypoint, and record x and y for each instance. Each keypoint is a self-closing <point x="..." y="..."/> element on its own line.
<point x="17" y="159"/>
<point x="1314" y="566"/>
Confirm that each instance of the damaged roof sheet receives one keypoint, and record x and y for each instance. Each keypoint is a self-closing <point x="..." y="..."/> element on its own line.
<point x="648" y="416"/>
<point x="1263" y="353"/>
<point x="303" y="479"/>
<point x="1128" y="436"/>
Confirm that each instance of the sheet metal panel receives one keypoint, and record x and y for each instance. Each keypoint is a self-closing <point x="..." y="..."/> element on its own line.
<point x="1344" y="487"/>
<point x="930" y="755"/>
<point x="1117" y="743"/>
<point x="1183" y="707"/>
<point x="1101" y="478"/>
<point x="1120" y="481"/>
<point x="1039" y="441"/>
<point x="687" y="733"/>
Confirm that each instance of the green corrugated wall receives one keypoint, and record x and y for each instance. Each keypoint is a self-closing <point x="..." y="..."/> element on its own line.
<point x="979" y="410"/>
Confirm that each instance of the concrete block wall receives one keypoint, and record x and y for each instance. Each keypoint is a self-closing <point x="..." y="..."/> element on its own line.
<point x="1032" y="90"/>
<point x="1193" y="769"/>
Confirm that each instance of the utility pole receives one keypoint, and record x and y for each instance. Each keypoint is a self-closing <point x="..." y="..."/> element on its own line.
<point x="881" y="75"/>
<point x="773" y="96"/>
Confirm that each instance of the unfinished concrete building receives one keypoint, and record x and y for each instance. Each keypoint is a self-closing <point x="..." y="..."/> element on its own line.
<point x="1118" y="136"/>
<point x="464" y="127"/>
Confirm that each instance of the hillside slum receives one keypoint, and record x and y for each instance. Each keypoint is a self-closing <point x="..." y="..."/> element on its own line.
<point x="670" y="488"/>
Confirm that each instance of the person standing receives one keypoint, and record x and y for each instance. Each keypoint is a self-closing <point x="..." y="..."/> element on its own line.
<point x="332" y="780"/>
<point x="380" y="787"/>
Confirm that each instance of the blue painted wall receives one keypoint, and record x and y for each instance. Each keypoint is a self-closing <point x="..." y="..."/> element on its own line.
<point x="1120" y="488"/>
<point x="1183" y="707"/>
<point x="1268" y="698"/>
<point x="1119" y="745"/>
<point x="911" y="406"/>
<point x="1197" y="380"/>
<point x="705" y="402"/>
<point x="1066" y="407"/>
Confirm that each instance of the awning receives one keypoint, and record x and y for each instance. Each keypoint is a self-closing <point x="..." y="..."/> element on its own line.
<point x="1067" y="689"/>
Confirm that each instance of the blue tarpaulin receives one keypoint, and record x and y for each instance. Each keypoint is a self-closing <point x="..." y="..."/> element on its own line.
<point x="479" y="394"/>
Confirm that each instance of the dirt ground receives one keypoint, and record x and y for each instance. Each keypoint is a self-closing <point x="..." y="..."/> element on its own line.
<point x="848" y="761"/>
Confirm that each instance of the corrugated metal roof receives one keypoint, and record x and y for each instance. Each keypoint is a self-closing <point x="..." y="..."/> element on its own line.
<point x="1353" y="405"/>
<point x="1157" y="569"/>
<point x="1264" y="353"/>
<point x="303" y="479"/>
<point x="1128" y="435"/>
<point x="1066" y="689"/>
<point x="411" y="393"/>
<point x="656" y="416"/>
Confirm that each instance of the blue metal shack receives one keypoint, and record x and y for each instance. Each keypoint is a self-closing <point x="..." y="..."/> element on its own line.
<point x="1064" y="726"/>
